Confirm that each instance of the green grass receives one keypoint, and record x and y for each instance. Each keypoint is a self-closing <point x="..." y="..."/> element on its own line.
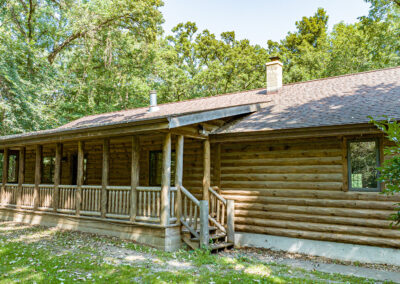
<point x="42" y="255"/>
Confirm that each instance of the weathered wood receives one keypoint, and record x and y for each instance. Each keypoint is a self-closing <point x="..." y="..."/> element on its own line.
<point x="204" y="230"/>
<point x="345" y="173"/>
<point x="179" y="175"/>
<point x="217" y="166"/>
<point x="105" y="176"/>
<point x="79" y="177"/>
<point x="57" y="175"/>
<point x="165" y="180"/>
<point x="5" y="174"/>
<point x="230" y="228"/>
<point x="207" y="169"/>
<point x="135" y="168"/>
<point x="38" y="175"/>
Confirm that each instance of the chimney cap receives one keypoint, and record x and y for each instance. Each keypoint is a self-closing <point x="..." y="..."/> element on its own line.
<point x="153" y="91"/>
<point x="275" y="58"/>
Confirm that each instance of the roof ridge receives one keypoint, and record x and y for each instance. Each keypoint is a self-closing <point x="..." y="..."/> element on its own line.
<point x="343" y="75"/>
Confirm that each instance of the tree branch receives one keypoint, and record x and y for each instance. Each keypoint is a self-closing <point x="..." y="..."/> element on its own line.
<point x="80" y="34"/>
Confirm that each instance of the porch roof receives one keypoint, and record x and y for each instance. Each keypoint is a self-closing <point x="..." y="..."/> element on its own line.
<point x="169" y="115"/>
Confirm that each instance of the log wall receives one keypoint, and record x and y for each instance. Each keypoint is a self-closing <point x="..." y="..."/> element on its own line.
<point x="296" y="189"/>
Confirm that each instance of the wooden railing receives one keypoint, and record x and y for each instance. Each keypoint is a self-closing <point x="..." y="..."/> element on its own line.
<point x="190" y="212"/>
<point x="91" y="199"/>
<point x="10" y="194"/>
<point x="118" y="202"/>
<point x="67" y="198"/>
<point x="27" y="195"/>
<point x="222" y="213"/>
<point x="46" y="196"/>
<point x="217" y="205"/>
<point x="117" y="206"/>
<point x="148" y="205"/>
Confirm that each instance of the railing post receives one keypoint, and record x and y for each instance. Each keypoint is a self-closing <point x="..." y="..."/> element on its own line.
<point x="105" y="177"/>
<point x="79" y="177"/>
<point x="206" y="168"/>
<point x="178" y="176"/>
<point x="165" y="180"/>
<point x="230" y="220"/>
<point x="21" y="175"/>
<point x="204" y="230"/>
<point x="57" y="176"/>
<point x="5" y="175"/>
<point x="38" y="175"/>
<point x="135" y="166"/>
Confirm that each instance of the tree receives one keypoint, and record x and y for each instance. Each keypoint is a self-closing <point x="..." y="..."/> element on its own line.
<point x="304" y="53"/>
<point x="390" y="169"/>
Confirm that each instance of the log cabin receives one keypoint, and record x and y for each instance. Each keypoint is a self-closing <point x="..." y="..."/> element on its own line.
<point x="295" y="162"/>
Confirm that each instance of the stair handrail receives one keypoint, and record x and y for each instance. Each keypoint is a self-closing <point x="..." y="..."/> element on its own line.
<point x="223" y="200"/>
<point x="189" y="195"/>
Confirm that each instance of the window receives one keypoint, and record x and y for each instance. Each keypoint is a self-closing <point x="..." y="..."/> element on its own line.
<point x="155" y="168"/>
<point x="48" y="165"/>
<point x="363" y="158"/>
<point x="12" y="168"/>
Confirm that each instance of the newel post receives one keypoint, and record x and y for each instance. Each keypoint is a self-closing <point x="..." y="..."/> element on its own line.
<point x="57" y="176"/>
<point x="5" y="174"/>
<point x="204" y="230"/>
<point x="38" y="175"/>
<point x="135" y="166"/>
<point x="21" y="175"/>
<point x="165" y="180"/>
<point x="105" y="177"/>
<point x="178" y="176"/>
<point x="230" y="220"/>
<point x="79" y="177"/>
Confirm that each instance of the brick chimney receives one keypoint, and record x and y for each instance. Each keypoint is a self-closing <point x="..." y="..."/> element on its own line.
<point x="274" y="75"/>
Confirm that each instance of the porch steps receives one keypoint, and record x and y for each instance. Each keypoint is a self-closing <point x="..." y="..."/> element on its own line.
<point x="217" y="240"/>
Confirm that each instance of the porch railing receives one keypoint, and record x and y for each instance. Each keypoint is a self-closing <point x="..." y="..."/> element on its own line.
<point x="118" y="200"/>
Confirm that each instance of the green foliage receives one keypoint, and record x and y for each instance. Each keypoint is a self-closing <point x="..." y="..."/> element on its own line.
<point x="390" y="169"/>
<point x="64" y="59"/>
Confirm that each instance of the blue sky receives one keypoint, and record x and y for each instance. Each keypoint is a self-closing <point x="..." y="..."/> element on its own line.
<point x="257" y="20"/>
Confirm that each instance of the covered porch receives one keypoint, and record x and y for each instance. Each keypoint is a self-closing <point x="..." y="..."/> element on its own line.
<point x="155" y="187"/>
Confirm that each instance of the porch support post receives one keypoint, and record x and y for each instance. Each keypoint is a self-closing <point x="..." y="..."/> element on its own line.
<point x="134" y="175"/>
<point x="230" y="220"/>
<point x="38" y="175"/>
<point x="178" y="176"/>
<point x="105" y="176"/>
<point x="5" y="174"/>
<point x="79" y="177"/>
<point x="217" y="166"/>
<point x="57" y="176"/>
<point x="165" y="180"/>
<point x="204" y="230"/>
<point x="21" y="175"/>
<point x="206" y="167"/>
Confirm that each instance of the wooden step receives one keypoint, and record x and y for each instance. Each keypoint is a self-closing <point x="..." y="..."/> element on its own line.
<point x="220" y="246"/>
<point x="211" y="229"/>
<point x="214" y="237"/>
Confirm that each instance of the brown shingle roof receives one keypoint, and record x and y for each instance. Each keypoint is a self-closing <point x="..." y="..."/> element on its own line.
<point x="340" y="100"/>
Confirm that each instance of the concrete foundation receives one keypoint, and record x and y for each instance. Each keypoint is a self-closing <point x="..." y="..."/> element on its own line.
<point x="167" y="239"/>
<point x="340" y="251"/>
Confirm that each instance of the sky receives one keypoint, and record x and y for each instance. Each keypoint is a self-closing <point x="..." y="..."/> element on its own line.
<point x="257" y="20"/>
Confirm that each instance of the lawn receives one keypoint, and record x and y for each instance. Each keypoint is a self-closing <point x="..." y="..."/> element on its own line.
<point x="34" y="254"/>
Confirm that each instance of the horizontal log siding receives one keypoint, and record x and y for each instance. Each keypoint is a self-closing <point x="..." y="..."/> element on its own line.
<point x="294" y="189"/>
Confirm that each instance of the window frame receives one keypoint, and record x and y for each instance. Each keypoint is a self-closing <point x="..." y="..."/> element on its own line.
<point x="378" y="163"/>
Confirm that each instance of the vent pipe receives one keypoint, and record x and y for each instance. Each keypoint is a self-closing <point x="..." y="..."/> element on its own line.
<point x="153" y="101"/>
